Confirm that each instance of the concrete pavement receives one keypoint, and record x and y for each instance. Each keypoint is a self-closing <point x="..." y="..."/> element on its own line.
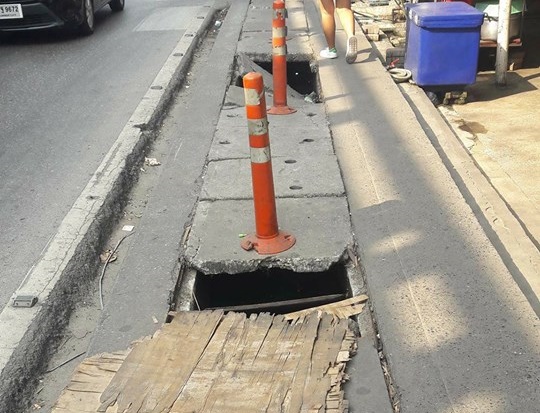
<point x="457" y="332"/>
<point x="494" y="160"/>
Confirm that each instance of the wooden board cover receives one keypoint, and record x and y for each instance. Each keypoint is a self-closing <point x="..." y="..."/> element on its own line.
<point x="214" y="362"/>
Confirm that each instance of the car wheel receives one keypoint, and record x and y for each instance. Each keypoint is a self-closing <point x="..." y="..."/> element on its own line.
<point x="87" y="25"/>
<point x="117" y="5"/>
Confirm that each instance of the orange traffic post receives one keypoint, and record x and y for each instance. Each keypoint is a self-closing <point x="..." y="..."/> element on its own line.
<point x="268" y="239"/>
<point x="279" y="60"/>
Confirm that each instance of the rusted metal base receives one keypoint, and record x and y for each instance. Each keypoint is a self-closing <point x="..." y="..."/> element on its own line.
<point x="280" y="110"/>
<point x="265" y="246"/>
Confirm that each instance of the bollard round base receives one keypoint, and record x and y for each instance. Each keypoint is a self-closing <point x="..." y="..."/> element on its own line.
<point x="265" y="246"/>
<point x="280" y="110"/>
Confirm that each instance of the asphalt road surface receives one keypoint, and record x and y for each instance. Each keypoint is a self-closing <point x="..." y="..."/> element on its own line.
<point x="63" y="101"/>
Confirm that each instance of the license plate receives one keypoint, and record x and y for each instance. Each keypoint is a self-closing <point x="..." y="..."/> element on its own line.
<point x="11" y="11"/>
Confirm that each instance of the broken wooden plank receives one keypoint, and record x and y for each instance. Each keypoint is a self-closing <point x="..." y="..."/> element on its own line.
<point x="164" y="363"/>
<point x="277" y="305"/>
<point x="341" y="309"/>
<point x="88" y="383"/>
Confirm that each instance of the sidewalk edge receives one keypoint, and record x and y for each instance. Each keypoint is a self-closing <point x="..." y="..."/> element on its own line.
<point x="505" y="232"/>
<point x="511" y="241"/>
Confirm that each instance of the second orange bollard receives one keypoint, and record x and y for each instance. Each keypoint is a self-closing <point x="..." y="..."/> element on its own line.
<point x="279" y="60"/>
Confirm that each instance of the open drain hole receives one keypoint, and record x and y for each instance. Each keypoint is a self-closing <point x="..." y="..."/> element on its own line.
<point x="299" y="76"/>
<point x="271" y="290"/>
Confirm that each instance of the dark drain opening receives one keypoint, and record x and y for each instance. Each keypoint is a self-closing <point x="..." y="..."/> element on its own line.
<point x="271" y="290"/>
<point x="299" y="76"/>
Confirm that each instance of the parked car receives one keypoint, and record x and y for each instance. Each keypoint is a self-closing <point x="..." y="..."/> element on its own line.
<point x="17" y="15"/>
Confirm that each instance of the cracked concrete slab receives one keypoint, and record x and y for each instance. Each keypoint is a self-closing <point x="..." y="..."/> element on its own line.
<point x="256" y="39"/>
<point x="308" y="117"/>
<point x="259" y="46"/>
<point x="294" y="177"/>
<point x="321" y="227"/>
<point x="232" y="142"/>
<point x="260" y="17"/>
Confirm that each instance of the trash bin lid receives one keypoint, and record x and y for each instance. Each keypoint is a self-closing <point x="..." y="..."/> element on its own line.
<point x="445" y="15"/>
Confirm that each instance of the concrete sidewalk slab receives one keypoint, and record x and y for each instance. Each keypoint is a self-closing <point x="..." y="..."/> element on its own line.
<point x="491" y="158"/>
<point x="304" y="132"/>
<point x="261" y="15"/>
<point x="256" y="38"/>
<point x="233" y="142"/>
<point x="294" y="177"/>
<point x="309" y="117"/>
<point x="506" y="146"/>
<point x="321" y="227"/>
<point x="457" y="332"/>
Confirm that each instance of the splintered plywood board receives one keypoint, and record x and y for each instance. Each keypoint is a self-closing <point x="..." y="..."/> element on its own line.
<point x="341" y="309"/>
<point x="214" y="362"/>
<point x="88" y="382"/>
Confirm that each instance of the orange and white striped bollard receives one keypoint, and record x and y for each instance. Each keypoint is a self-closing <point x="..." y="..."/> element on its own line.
<point x="268" y="239"/>
<point x="279" y="60"/>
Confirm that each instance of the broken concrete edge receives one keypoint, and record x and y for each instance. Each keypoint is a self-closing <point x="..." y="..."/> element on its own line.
<point x="296" y="264"/>
<point x="267" y="57"/>
<point x="183" y="299"/>
<point x="41" y="327"/>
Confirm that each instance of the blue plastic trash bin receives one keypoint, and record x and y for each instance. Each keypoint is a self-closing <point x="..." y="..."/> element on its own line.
<point x="443" y="41"/>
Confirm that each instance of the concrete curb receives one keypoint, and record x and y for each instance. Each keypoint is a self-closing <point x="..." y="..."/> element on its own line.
<point x="515" y="246"/>
<point x="70" y="259"/>
<point x="517" y="250"/>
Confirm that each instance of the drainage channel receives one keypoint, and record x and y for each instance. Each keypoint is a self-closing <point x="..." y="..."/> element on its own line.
<point x="272" y="290"/>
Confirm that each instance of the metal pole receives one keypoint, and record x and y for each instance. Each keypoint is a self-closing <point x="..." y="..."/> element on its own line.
<point x="503" y="31"/>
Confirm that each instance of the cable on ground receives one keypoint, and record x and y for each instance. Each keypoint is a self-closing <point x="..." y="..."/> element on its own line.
<point x="400" y="75"/>
<point x="105" y="267"/>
